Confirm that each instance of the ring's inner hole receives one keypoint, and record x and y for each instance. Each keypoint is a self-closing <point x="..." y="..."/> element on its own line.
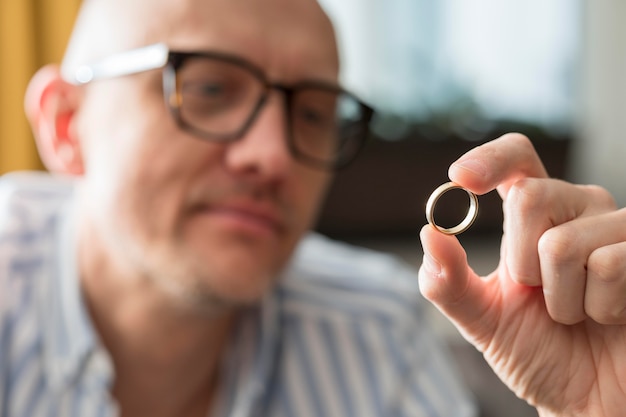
<point x="451" y="208"/>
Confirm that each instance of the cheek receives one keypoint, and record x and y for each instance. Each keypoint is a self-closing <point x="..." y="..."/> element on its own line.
<point x="132" y="183"/>
<point x="151" y="197"/>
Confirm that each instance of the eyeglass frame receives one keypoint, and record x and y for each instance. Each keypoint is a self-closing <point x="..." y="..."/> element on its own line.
<point x="159" y="56"/>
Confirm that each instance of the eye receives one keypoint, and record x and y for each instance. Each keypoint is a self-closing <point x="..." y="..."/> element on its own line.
<point x="314" y="115"/>
<point x="206" y="89"/>
<point x="311" y="115"/>
<point x="210" y="89"/>
<point x="210" y="95"/>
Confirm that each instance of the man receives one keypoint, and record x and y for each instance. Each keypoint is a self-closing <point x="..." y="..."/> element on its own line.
<point x="160" y="279"/>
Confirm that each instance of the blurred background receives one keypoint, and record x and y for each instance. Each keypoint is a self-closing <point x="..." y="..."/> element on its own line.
<point x="32" y="34"/>
<point x="447" y="75"/>
<point x="444" y="76"/>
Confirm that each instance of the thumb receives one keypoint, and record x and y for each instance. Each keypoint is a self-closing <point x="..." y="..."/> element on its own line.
<point x="446" y="280"/>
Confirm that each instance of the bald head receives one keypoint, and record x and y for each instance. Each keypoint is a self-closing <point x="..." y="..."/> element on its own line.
<point x="261" y="28"/>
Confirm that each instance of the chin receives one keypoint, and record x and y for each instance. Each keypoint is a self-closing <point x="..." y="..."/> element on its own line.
<point x="238" y="274"/>
<point x="206" y="288"/>
<point x="217" y="272"/>
<point x="242" y="289"/>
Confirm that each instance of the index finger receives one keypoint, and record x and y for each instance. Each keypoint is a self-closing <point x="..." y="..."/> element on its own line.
<point x="497" y="164"/>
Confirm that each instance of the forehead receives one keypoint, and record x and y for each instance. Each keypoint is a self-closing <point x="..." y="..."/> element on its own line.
<point x="288" y="38"/>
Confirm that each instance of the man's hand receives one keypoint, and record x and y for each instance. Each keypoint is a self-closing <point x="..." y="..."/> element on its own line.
<point x="551" y="319"/>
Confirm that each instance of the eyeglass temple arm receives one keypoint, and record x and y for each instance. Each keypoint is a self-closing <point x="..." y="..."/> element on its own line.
<point x="125" y="63"/>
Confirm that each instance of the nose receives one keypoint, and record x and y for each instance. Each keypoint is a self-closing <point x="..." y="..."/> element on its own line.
<point x="263" y="151"/>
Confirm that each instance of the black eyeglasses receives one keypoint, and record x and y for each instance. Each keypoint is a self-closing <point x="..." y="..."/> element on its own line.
<point x="217" y="97"/>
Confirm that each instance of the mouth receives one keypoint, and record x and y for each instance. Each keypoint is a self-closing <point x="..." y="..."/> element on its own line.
<point x="249" y="219"/>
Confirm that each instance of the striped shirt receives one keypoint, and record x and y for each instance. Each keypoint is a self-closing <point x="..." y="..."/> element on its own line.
<point x="342" y="334"/>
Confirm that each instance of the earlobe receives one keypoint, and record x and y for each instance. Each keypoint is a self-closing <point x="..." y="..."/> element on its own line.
<point x="51" y="104"/>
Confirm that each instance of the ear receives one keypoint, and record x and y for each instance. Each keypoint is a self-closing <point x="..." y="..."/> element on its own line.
<point x="51" y="105"/>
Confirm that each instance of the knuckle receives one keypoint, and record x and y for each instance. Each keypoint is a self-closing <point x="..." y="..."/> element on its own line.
<point x="519" y="139"/>
<point x="605" y="266"/>
<point x="606" y="269"/>
<point x="558" y="246"/>
<point x="600" y="196"/>
<point x="526" y="195"/>
<point x="522" y="143"/>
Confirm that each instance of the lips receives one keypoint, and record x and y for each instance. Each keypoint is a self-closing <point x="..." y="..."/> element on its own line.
<point x="244" y="217"/>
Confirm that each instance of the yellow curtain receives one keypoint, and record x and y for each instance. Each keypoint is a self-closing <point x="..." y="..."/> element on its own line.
<point x="32" y="33"/>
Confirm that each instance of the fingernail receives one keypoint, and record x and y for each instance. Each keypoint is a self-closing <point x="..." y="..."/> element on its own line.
<point x="431" y="265"/>
<point x="472" y="165"/>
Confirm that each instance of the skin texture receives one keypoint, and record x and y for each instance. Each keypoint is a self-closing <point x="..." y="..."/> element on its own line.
<point x="550" y="319"/>
<point x="176" y="233"/>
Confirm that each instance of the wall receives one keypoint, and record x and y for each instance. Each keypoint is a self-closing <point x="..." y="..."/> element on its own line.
<point x="600" y="153"/>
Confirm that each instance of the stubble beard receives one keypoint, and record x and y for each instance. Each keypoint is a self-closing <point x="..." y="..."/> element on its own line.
<point x="191" y="283"/>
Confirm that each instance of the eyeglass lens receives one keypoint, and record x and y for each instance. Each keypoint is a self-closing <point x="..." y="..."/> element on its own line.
<point x="220" y="98"/>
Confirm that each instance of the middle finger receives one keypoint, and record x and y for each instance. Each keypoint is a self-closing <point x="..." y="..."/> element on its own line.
<point x="531" y="207"/>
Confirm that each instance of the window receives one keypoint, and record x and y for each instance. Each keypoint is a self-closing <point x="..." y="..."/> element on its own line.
<point x="462" y="62"/>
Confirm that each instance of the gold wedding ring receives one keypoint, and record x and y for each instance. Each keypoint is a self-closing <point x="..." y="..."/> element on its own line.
<point x="472" y="211"/>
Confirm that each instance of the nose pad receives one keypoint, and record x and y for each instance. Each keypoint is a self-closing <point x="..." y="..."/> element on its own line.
<point x="264" y="148"/>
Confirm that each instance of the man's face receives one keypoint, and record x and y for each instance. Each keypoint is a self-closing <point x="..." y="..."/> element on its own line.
<point x="210" y="221"/>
